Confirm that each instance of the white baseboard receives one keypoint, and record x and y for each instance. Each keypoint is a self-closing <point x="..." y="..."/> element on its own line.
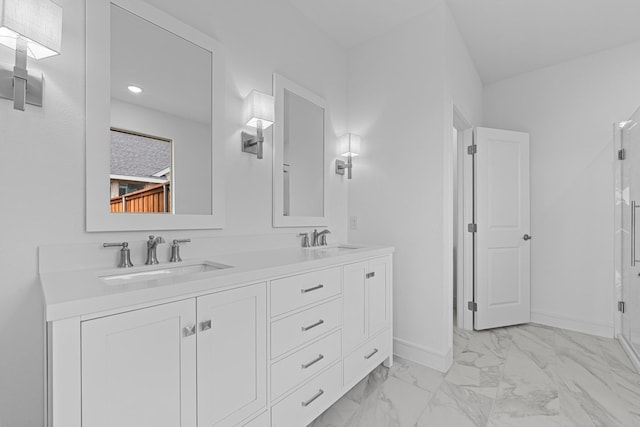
<point x="601" y="329"/>
<point x="628" y="348"/>
<point x="423" y="355"/>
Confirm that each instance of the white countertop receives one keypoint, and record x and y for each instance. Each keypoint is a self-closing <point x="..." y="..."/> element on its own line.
<point x="83" y="292"/>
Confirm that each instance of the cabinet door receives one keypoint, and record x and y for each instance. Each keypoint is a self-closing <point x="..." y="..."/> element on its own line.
<point x="354" y="321"/>
<point x="377" y="288"/>
<point x="138" y="368"/>
<point x="232" y="355"/>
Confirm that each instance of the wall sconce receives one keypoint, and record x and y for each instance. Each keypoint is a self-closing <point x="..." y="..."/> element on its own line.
<point x="31" y="28"/>
<point x="349" y="147"/>
<point x="258" y="113"/>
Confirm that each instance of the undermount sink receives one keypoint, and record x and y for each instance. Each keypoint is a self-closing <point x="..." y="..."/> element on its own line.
<point x="163" y="272"/>
<point x="338" y="248"/>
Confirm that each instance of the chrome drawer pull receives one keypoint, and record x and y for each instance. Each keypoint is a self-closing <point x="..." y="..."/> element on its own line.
<point x="370" y="275"/>
<point x="315" y="288"/>
<point x="314" y="397"/>
<point x="206" y="325"/>
<point x="375" y="350"/>
<point x="187" y="331"/>
<point x="318" y="323"/>
<point x="313" y="362"/>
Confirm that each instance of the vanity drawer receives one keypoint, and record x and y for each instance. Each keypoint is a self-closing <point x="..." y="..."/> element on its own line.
<point x="309" y="401"/>
<point x="298" y="291"/>
<point x="304" y="364"/>
<point x="366" y="357"/>
<point x="300" y="328"/>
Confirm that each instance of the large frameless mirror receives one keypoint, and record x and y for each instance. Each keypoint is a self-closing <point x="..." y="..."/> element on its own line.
<point x="299" y="156"/>
<point x="155" y="154"/>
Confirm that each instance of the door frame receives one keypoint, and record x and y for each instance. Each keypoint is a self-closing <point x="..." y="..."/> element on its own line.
<point x="464" y="270"/>
<point x="617" y="229"/>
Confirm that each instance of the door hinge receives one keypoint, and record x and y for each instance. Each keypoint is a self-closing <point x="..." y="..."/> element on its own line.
<point x="472" y="306"/>
<point x="621" y="306"/>
<point x="472" y="228"/>
<point x="622" y="154"/>
<point x="472" y="149"/>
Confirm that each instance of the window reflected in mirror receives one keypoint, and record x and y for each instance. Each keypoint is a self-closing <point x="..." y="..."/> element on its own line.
<point x="140" y="173"/>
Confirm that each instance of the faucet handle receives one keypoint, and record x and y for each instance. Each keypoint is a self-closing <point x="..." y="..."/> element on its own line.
<point x="125" y="253"/>
<point x="175" y="249"/>
<point x="323" y="237"/>
<point x="305" y="239"/>
<point x="119" y="245"/>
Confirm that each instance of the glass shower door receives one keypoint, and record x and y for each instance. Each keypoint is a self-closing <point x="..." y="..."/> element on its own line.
<point x="628" y="200"/>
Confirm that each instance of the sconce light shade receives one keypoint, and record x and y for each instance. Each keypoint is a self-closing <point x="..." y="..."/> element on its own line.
<point x="350" y="145"/>
<point x="38" y="22"/>
<point x="349" y="148"/>
<point x="258" y="106"/>
<point x="31" y="28"/>
<point x="258" y="113"/>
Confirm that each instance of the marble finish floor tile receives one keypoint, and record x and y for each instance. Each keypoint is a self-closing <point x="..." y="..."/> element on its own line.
<point x="519" y="376"/>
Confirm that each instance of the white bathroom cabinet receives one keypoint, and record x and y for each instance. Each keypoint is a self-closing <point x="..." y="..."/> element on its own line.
<point x="366" y="316"/>
<point x="276" y="348"/>
<point x="366" y="309"/>
<point x="232" y="349"/>
<point x="141" y="368"/>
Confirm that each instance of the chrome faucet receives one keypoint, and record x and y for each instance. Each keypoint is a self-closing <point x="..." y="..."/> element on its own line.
<point x="322" y="236"/>
<point x="152" y="244"/>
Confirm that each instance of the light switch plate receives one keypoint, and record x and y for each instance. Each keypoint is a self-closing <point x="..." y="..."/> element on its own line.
<point x="353" y="222"/>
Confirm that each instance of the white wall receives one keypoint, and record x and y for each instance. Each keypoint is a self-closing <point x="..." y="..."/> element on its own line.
<point x="43" y="167"/>
<point x="402" y="86"/>
<point x="569" y="110"/>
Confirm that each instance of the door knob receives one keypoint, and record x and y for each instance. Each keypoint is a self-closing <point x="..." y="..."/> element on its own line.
<point x="526" y="237"/>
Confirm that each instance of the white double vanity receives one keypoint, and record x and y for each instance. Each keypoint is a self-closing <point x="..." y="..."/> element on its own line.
<point x="267" y="338"/>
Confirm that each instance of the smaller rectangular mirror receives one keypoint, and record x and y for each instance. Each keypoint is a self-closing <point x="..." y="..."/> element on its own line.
<point x="300" y="131"/>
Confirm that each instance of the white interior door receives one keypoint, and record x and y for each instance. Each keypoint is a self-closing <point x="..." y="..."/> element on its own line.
<point x="502" y="241"/>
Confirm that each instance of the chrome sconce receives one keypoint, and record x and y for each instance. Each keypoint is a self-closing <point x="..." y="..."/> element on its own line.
<point x="258" y="113"/>
<point x="349" y="148"/>
<point x="31" y="28"/>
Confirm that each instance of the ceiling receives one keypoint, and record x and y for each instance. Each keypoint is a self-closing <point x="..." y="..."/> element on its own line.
<point x="351" y="22"/>
<point x="504" y="37"/>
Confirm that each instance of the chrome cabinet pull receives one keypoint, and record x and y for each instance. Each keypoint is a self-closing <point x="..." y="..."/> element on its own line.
<point x="369" y="356"/>
<point x="526" y="237"/>
<point x="370" y="275"/>
<point x="205" y="326"/>
<point x="187" y="331"/>
<point x="315" y="288"/>
<point x="314" y="397"/>
<point x="313" y="362"/>
<point x="318" y="323"/>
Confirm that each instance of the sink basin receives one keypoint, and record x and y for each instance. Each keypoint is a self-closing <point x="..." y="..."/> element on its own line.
<point x="338" y="248"/>
<point x="160" y="273"/>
